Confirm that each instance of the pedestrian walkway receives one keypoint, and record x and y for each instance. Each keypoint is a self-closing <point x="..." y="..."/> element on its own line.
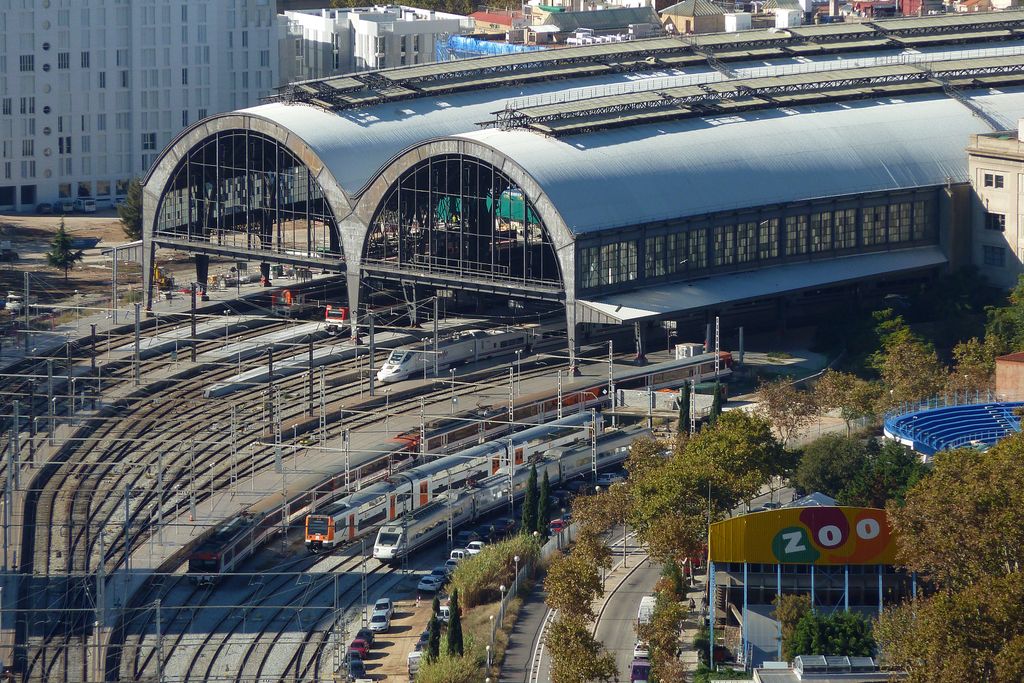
<point x="523" y="638"/>
<point x="692" y="623"/>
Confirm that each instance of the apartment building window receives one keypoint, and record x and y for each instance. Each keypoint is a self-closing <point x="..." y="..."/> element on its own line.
<point x="416" y="43"/>
<point x="184" y="117"/>
<point x="994" y="180"/>
<point x="63" y="60"/>
<point x="7" y="106"/>
<point x="103" y="79"/>
<point x="994" y="256"/>
<point x="184" y="76"/>
<point x="86" y="144"/>
<point x="122" y="57"/>
<point x="265" y="58"/>
<point x="64" y="144"/>
<point x="28" y="169"/>
<point x="995" y="221"/>
<point x="101" y="121"/>
<point x="245" y="39"/>
<point x="124" y="79"/>
<point x="149" y="141"/>
<point x="28" y="148"/>
<point x="28" y="62"/>
<point x="202" y="114"/>
<point x="85" y="60"/>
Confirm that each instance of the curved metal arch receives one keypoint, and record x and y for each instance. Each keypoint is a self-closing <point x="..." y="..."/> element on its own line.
<point x="162" y="173"/>
<point x="370" y="201"/>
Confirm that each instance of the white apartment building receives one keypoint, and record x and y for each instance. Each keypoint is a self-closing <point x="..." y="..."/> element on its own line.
<point x="92" y="90"/>
<point x="325" y="42"/>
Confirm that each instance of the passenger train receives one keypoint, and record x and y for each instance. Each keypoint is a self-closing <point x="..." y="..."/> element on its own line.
<point x="414" y="488"/>
<point x="462" y="347"/>
<point x="457" y="506"/>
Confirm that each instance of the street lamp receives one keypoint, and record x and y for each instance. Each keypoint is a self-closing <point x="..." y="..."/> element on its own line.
<point x="519" y="370"/>
<point x="501" y="605"/>
<point x="516" y="560"/>
<point x="454" y="400"/>
<point x="492" y="629"/>
<point x="488" y="658"/>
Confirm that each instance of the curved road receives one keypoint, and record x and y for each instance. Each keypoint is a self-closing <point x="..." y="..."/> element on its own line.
<point x="615" y="628"/>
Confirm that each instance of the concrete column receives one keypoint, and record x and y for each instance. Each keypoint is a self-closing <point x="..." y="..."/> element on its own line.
<point x="265" y="274"/>
<point x="352" y="280"/>
<point x="570" y="336"/>
<point x="202" y="275"/>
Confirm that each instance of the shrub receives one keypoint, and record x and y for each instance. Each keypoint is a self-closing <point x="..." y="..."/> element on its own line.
<point x="479" y="577"/>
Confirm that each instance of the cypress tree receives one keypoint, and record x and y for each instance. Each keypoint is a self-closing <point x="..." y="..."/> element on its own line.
<point x="455" y="627"/>
<point x="530" y="503"/>
<point x="716" y="405"/>
<point x="544" y="506"/>
<point x="435" y="605"/>
<point x="684" y="409"/>
<point x="433" y="639"/>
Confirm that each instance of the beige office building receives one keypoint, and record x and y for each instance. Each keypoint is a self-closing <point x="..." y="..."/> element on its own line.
<point x="996" y="168"/>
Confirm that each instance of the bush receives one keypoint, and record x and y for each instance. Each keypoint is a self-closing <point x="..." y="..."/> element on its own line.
<point x="478" y="578"/>
<point x="449" y="669"/>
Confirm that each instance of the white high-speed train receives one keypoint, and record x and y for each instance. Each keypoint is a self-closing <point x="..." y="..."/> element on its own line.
<point x="462" y="347"/>
<point x="416" y="487"/>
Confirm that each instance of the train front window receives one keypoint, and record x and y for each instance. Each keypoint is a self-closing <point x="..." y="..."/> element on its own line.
<point x="196" y="566"/>
<point x="397" y="357"/>
<point x="317" y="525"/>
<point x="388" y="539"/>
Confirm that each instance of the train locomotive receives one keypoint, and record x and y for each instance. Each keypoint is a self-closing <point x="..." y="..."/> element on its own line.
<point x="417" y="487"/>
<point x="462" y="347"/>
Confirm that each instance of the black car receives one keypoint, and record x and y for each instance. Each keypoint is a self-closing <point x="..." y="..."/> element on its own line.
<point x="486" y="532"/>
<point x="422" y="642"/>
<point x="356" y="669"/>
<point x="504" y="527"/>
<point x="366" y="634"/>
<point x="44" y="208"/>
<point x="465" y="537"/>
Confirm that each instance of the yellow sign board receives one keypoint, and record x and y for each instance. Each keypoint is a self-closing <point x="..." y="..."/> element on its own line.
<point x="811" y="535"/>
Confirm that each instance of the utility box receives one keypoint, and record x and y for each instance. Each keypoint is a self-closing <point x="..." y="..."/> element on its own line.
<point x="688" y="350"/>
<point x="737" y="21"/>
<point x="785" y="18"/>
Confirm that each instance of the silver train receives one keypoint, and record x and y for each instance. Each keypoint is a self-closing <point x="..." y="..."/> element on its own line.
<point x="418" y="487"/>
<point x="458" y="506"/>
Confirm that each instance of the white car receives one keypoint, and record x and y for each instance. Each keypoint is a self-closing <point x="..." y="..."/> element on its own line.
<point x="458" y="554"/>
<point x="609" y="478"/>
<point x="430" y="584"/>
<point x="475" y="547"/>
<point x="641" y="650"/>
<point x="450" y="566"/>
<point x="384" y="606"/>
<point x="380" y="622"/>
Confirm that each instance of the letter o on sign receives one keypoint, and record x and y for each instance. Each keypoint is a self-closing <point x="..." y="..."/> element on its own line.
<point x="868" y="528"/>
<point x="829" y="536"/>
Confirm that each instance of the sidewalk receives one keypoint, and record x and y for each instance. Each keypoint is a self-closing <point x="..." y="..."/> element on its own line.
<point x="523" y="638"/>
<point x="692" y="623"/>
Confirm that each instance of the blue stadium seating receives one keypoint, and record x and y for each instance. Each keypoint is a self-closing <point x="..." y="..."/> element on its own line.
<point x="933" y="429"/>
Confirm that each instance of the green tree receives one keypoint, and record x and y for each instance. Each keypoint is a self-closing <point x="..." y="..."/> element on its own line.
<point x="433" y="638"/>
<point x="645" y="454"/>
<point x="455" y="645"/>
<point x="854" y="397"/>
<point x="908" y="365"/>
<point x="829" y="463"/>
<point x="572" y="584"/>
<point x="529" y="514"/>
<point x="662" y="632"/>
<point x="435" y="605"/>
<point x="716" y="405"/>
<point x="575" y="655"/>
<point x="787" y="408"/>
<point x="885" y="475"/>
<point x="965" y="520"/>
<point x="61" y="254"/>
<point x="544" y="506"/>
<point x="1005" y="324"/>
<point x="840" y="633"/>
<point x="684" y="409"/>
<point x="974" y="634"/>
<point x="130" y="211"/>
<point x="674" y="578"/>
<point x="790" y="608"/>
<point x="974" y="364"/>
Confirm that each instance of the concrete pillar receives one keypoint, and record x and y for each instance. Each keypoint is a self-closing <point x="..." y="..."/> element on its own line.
<point x="570" y="336"/>
<point x="639" y="332"/>
<point x="352" y="280"/>
<point x="265" y="274"/>
<point x="203" y="274"/>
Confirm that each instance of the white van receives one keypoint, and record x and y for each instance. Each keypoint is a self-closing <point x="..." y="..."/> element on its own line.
<point x="85" y="205"/>
<point x="414" y="663"/>
<point x="444" y="613"/>
<point x="646" y="611"/>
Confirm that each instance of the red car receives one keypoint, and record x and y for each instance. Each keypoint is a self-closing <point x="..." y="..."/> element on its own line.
<point x="556" y="526"/>
<point x="361" y="647"/>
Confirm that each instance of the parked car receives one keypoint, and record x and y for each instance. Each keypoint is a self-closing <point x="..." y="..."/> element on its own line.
<point x="641" y="650"/>
<point x="430" y="584"/>
<point x="444" y="614"/>
<point x="486" y="532"/>
<point x="44" y="208"/>
<point x="366" y="634"/>
<point x="380" y="622"/>
<point x="475" y="547"/>
<point x="556" y="526"/>
<point x="422" y="642"/>
<point x="384" y="606"/>
<point x="361" y="646"/>
<point x="609" y="478"/>
<point x="459" y="554"/>
<point x="504" y="526"/>
<point x="63" y="206"/>
<point x="356" y="669"/>
<point x="85" y="205"/>
<point x="450" y="565"/>
<point x="465" y="537"/>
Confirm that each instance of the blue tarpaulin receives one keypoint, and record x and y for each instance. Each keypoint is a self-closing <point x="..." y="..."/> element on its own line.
<point x="460" y="47"/>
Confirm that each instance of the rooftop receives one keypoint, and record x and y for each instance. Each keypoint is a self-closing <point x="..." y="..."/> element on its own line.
<point x="693" y="8"/>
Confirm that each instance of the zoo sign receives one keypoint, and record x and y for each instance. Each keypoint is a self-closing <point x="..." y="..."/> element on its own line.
<point x="811" y="535"/>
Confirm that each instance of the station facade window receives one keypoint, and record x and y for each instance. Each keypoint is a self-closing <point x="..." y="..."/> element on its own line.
<point x="729" y="242"/>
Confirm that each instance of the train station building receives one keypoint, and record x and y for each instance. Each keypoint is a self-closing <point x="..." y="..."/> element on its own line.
<point x="755" y="174"/>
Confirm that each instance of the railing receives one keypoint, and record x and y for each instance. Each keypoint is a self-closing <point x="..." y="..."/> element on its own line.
<point x="957" y="398"/>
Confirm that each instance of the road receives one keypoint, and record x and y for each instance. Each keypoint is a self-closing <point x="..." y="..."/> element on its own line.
<point x="616" y="627"/>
